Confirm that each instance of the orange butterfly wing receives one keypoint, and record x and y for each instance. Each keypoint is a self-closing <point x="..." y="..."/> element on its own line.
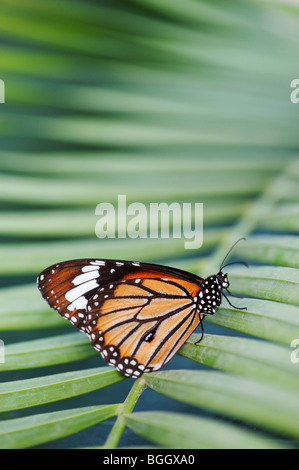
<point x="137" y="315"/>
<point x="145" y="322"/>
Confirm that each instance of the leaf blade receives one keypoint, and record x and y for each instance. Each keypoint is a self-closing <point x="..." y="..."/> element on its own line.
<point x="183" y="431"/>
<point x="238" y="397"/>
<point x="26" y="393"/>
<point x="30" y="431"/>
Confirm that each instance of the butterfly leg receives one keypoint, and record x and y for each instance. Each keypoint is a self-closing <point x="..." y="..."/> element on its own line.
<point x="202" y="330"/>
<point x="233" y="295"/>
<point x="238" y="308"/>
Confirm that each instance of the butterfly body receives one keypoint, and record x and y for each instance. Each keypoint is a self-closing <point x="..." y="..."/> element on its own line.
<point x="136" y="314"/>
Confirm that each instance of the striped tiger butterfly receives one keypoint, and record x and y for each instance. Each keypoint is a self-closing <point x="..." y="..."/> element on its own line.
<point x="136" y="314"/>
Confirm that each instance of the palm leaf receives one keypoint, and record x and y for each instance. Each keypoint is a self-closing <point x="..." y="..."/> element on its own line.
<point x="159" y="101"/>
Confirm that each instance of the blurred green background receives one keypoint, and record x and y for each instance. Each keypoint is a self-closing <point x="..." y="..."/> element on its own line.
<point x="158" y="100"/>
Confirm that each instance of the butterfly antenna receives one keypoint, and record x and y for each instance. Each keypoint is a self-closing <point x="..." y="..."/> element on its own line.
<point x="236" y="262"/>
<point x="222" y="264"/>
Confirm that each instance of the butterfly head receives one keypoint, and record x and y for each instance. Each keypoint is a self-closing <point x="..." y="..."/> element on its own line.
<point x="222" y="280"/>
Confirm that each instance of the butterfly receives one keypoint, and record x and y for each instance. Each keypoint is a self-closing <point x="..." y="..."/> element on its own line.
<point x="136" y="314"/>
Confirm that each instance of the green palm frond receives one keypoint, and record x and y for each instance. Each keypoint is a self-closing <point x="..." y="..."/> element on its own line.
<point x="159" y="101"/>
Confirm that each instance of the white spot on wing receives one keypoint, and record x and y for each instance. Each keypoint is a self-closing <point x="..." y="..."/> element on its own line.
<point x="98" y="263"/>
<point x="73" y="294"/>
<point x="85" y="277"/>
<point x="78" y="304"/>
<point x="88" y="268"/>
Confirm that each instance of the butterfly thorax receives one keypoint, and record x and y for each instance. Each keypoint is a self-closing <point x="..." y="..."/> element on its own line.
<point x="210" y="295"/>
